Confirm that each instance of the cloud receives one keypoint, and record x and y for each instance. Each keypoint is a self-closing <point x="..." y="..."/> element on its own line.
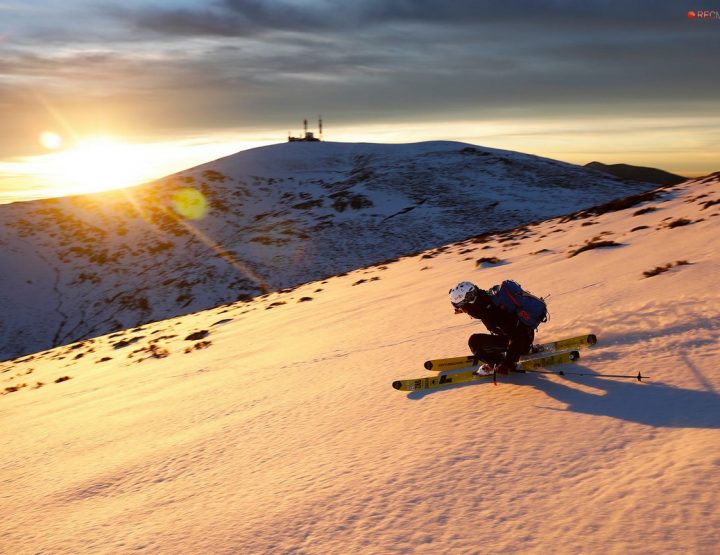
<point x="258" y="17"/>
<point x="248" y="63"/>
<point x="559" y="49"/>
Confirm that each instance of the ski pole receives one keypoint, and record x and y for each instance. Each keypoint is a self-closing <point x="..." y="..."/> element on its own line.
<point x="639" y="377"/>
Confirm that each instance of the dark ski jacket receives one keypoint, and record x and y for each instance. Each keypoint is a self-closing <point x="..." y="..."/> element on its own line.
<point x="505" y="324"/>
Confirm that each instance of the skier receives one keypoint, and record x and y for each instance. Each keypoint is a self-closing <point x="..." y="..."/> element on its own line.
<point x="509" y="337"/>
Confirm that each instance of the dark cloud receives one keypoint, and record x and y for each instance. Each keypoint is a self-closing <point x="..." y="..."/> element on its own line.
<point x="257" y="17"/>
<point x="555" y="47"/>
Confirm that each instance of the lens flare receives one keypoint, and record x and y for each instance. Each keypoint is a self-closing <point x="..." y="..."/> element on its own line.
<point x="190" y="203"/>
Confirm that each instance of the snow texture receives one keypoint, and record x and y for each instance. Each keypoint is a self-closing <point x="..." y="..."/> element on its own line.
<point x="77" y="267"/>
<point x="270" y="426"/>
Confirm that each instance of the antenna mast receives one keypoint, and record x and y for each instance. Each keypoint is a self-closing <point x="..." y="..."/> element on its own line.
<point x="307" y="135"/>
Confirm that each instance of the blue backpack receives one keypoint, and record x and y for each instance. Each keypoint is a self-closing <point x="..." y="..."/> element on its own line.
<point x="509" y="296"/>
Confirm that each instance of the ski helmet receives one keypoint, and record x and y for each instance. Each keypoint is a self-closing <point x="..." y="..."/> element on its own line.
<point x="463" y="293"/>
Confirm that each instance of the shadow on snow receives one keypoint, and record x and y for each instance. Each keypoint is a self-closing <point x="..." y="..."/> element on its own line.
<point x="650" y="403"/>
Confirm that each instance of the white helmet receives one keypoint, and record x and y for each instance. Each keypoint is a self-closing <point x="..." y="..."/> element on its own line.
<point x="463" y="293"/>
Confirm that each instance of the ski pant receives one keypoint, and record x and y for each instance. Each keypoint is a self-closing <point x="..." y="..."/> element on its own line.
<point x="500" y="349"/>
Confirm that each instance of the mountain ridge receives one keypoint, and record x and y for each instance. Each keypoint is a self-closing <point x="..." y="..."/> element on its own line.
<point x="275" y="217"/>
<point x="638" y="173"/>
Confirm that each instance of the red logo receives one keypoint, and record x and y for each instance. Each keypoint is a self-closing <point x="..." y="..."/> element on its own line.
<point x="704" y="15"/>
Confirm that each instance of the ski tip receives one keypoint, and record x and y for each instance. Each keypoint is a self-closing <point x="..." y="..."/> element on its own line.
<point x="428" y="365"/>
<point x="397" y="384"/>
<point x="592" y="339"/>
<point x="574" y="355"/>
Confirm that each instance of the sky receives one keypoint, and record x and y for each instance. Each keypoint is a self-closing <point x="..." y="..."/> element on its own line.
<point x="143" y="89"/>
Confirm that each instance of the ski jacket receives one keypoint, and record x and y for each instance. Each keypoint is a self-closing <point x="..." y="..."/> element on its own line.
<point x="505" y="324"/>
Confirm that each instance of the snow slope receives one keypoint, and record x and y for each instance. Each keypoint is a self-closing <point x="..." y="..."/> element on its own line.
<point x="83" y="266"/>
<point x="270" y="426"/>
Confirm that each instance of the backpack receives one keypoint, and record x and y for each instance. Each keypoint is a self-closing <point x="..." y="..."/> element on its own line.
<point x="509" y="296"/>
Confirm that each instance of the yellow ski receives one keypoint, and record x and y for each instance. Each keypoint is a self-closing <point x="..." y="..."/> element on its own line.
<point x="573" y="343"/>
<point x="442" y="380"/>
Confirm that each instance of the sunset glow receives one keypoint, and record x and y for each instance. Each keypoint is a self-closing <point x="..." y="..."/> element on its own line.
<point x="91" y="165"/>
<point x="98" y="164"/>
<point x="105" y="162"/>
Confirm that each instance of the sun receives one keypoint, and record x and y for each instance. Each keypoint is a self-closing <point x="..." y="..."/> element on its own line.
<point x="97" y="164"/>
<point x="76" y="165"/>
<point x="51" y="140"/>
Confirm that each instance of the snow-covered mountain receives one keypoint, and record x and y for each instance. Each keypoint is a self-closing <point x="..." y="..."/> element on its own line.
<point x="77" y="267"/>
<point x="271" y="426"/>
<point x="638" y="173"/>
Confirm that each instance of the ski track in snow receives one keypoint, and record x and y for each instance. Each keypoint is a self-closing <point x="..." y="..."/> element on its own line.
<point x="278" y="431"/>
